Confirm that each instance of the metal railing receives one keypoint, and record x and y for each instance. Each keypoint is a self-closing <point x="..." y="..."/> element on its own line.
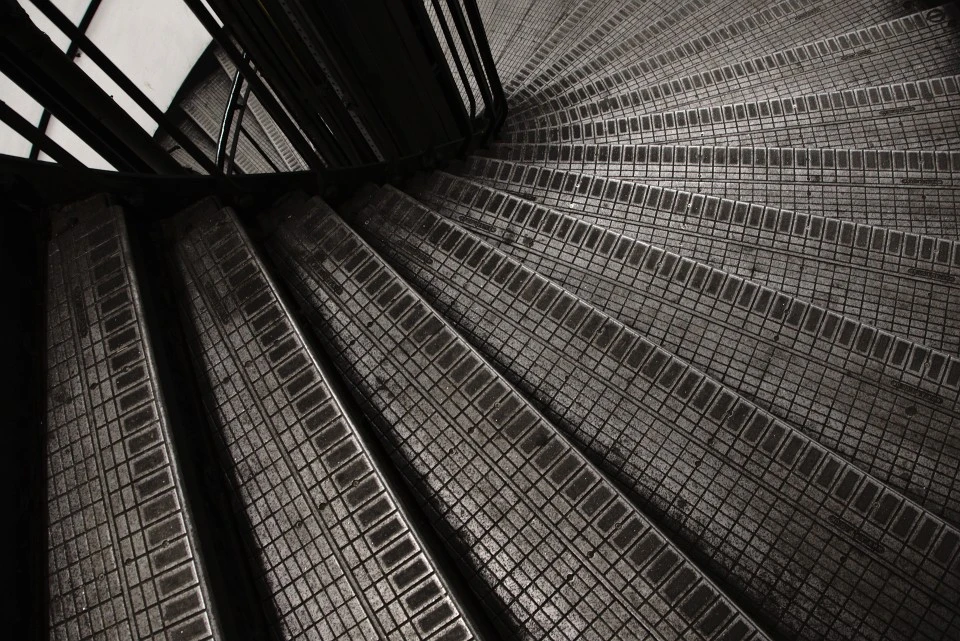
<point x="384" y="87"/>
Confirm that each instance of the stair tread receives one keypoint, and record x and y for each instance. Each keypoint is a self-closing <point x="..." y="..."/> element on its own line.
<point x="886" y="52"/>
<point x="631" y="22"/>
<point x="914" y="114"/>
<point x="649" y="418"/>
<point x="517" y="500"/>
<point x="920" y="191"/>
<point x="727" y="327"/>
<point x="123" y="561"/>
<point x="314" y="497"/>
<point x="888" y="277"/>
<point x="645" y="27"/>
<point x="768" y="28"/>
<point x="574" y="26"/>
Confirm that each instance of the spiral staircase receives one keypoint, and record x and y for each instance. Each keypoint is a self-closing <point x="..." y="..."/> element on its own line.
<point x="676" y="355"/>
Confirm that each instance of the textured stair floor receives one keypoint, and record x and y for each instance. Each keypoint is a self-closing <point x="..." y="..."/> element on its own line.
<point x="894" y="51"/>
<point x="900" y="283"/>
<point x="913" y="191"/>
<point x="123" y="560"/>
<point x="550" y="543"/>
<point x="897" y="424"/>
<point x="516" y="28"/>
<point x="778" y="516"/>
<point x="637" y="27"/>
<point x="339" y="558"/>
<point x="635" y="17"/>
<point x="736" y="31"/>
<point x="574" y="25"/>
<point x="922" y="114"/>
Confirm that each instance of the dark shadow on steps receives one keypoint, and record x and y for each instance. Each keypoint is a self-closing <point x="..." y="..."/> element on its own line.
<point x="232" y="559"/>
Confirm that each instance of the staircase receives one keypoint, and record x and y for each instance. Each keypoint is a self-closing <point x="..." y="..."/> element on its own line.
<point x="677" y="356"/>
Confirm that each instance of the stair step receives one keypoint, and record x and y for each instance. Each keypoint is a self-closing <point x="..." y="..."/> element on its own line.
<point x="550" y="543"/>
<point x="765" y="506"/>
<point x="915" y="191"/>
<point x="887" y="52"/>
<point x="199" y="138"/>
<point x="920" y="114"/>
<point x="902" y="283"/>
<point x="123" y="560"/>
<point x="574" y="26"/>
<point x="516" y="31"/>
<point x="800" y="362"/>
<point x="627" y="17"/>
<point x="769" y="28"/>
<point x="310" y="490"/>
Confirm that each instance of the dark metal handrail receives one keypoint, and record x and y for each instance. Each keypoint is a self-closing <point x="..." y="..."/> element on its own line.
<point x="228" y="113"/>
<point x="277" y="112"/>
<point x="466" y="29"/>
<point x="72" y="50"/>
<point x="82" y="43"/>
<point x="36" y="137"/>
<point x="346" y="111"/>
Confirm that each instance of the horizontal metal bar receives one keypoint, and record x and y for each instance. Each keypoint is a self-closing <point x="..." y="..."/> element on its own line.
<point x="80" y="39"/>
<point x="157" y="196"/>
<point x="84" y="24"/>
<point x="266" y="97"/>
<point x="38" y="139"/>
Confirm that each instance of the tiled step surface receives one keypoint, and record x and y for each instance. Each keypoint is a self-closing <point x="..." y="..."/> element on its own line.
<point x="338" y="557"/>
<point x="122" y="558"/>
<point x="514" y="30"/>
<point x="629" y="19"/>
<point x="802" y="363"/>
<point x="736" y="31"/>
<point x="553" y="547"/>
<point x="923" y="114"/>
<point x="909" y="191"/>
<point x="583" y="16"/>
<point x="813" y="543"/>
<point x="920" y="45"/>
<point x="898" y="282"/>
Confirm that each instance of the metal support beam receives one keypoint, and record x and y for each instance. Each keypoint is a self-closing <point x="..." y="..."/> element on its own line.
<point x="37" y="138"/>
<point x="72" y="50"/>
<point x="263" y="93"/>
<point x="79" y="41"/>
<point x="30" y="59"/>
